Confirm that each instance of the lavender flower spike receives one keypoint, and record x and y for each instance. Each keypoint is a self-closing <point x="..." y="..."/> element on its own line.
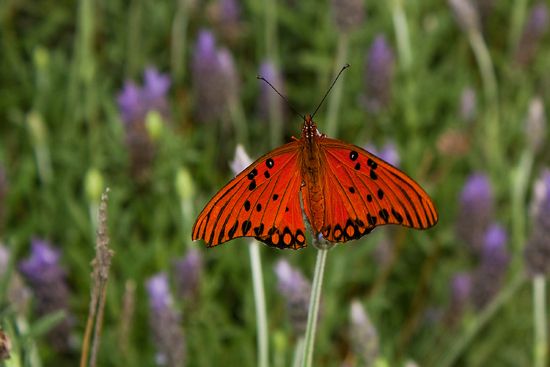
<point x="535" y="28"/>
<point x="537" y="249"/>
<point x="296" y="290"/>
<point x="475" y="211"/>
<point x="213" y="77"/>
<point x="188" y="272"/>
<point x="378" y="75"/>
<point x="364" y="336"/>
<point x="165" y="322"/>
<point x="268" y="101"/>
<point x="461" y="289"/>
<point x="489" y="275"/>
<point x="47" y="279"/>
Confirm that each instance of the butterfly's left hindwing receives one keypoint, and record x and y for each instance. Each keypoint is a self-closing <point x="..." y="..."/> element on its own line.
<point x="261" y="202"/>
<point x="363" y="191"/>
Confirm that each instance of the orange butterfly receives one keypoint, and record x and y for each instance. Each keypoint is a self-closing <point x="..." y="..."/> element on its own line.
<point x="346" y="193"/>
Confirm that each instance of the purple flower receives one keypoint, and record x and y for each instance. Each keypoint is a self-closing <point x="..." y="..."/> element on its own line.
<point x="294" y="287"/>
<point x="378" y="75"/>
<point x="533" y="31"/>
<point x="388" y="152"/>
<point x="188" y="273"/>
<point x="135" y="104"/>
<point x="48" y="282"/>
<point x="165" y="322"/>
<point x="270" y="105"/>
<point x="489" y="276"/>
<point x="537" y="249"/>
<point x="461" y="289"/>
<point x="364" y="336"/>
<point x="348" y="14"/>
<point x="214" y="78"/>
<point x="475" y="211"/>
<point x="230" y="12"/>
<point x="468" y="104"/>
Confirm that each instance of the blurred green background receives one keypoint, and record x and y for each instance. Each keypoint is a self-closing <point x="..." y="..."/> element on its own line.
<point x="151" y="98"/>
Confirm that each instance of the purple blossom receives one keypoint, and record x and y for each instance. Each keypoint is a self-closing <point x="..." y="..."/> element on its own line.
<point x="489" y="276"/>
<point x="388" y="152"/>
<point x="135" y="104"/>
<point x="294" y="287"/>
<point x="348" y="14"/>
<point x="230" y="12"/>
<point x="269" y="103"/>
<point x="48" y="282"/>
<point x="461" y="289"/>
<point x="165" y="322"/>
<point x="364" y="336"/>
<point x="475" y="211"/>
<point x="537" y="249"/>
<point x="214" y="77"/>
<point x="533" y="31"/>
<point x="188" y="272"/>
<point x="378" y="75"/>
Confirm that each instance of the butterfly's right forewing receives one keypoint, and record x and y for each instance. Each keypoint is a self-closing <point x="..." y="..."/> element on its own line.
<point x="261" y="202"/>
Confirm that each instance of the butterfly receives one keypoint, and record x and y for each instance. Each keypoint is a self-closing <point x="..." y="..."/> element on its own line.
<point x="346" y="193"/>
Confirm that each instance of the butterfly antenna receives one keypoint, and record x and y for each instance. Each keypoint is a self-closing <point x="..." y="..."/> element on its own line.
<point x="283" y="97"/>
<point x="328" y="91"/>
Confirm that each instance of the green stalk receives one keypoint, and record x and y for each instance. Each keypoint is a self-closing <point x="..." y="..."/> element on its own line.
<point x="313" y="312"/>
<point x="539" y="319"/>
<point x="336" y="95"/>
<point x="179" y="40"/>
<point x="490" y="91"/>
<point x="298" y="352"/>
<point x="403" y="36"/>
<point x="520" y="181"/>
<point x="516" y="24"/>
<point x="259" y="301"/>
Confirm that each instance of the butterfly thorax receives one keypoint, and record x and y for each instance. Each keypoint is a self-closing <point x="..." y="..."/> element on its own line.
<point x="311" y="173"/>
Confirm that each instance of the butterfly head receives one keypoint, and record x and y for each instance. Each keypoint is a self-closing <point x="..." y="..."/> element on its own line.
<point x="309" y="130"/>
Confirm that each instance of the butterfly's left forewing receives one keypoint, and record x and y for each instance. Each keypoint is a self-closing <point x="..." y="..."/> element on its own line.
<point x="261" y="202"/>
<point x="364" y="191"/>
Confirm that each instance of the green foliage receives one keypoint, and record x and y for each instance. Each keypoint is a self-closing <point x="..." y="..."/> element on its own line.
<point x="63" y="64"/>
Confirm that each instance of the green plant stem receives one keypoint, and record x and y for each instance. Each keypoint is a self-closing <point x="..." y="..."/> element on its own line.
<point x="313" y="312"/>
<point x="298" y="352"/>
<point x="539" y="320"/>
<point x="336" y="94"/>
<point x="520" y="181"/>
<point x="179" y="40"/>
<point x="402" y="33"/>
<point x="516" y="22"/>
<point x="270" y="7"/>
<point x="490" y="91"/>
<point x="259" y="301"/>
<point x="474" y="327"/>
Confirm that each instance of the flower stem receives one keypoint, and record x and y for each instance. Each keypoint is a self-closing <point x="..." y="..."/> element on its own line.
<point x="490" y="91"/>
<point x="336" y="96"/>
<point x="298" y="352"/>
<point x="314" y="307"/>
<point x="402" y="34"/>
<point x="539" y="321"/>
<point x="259" y="301"/>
